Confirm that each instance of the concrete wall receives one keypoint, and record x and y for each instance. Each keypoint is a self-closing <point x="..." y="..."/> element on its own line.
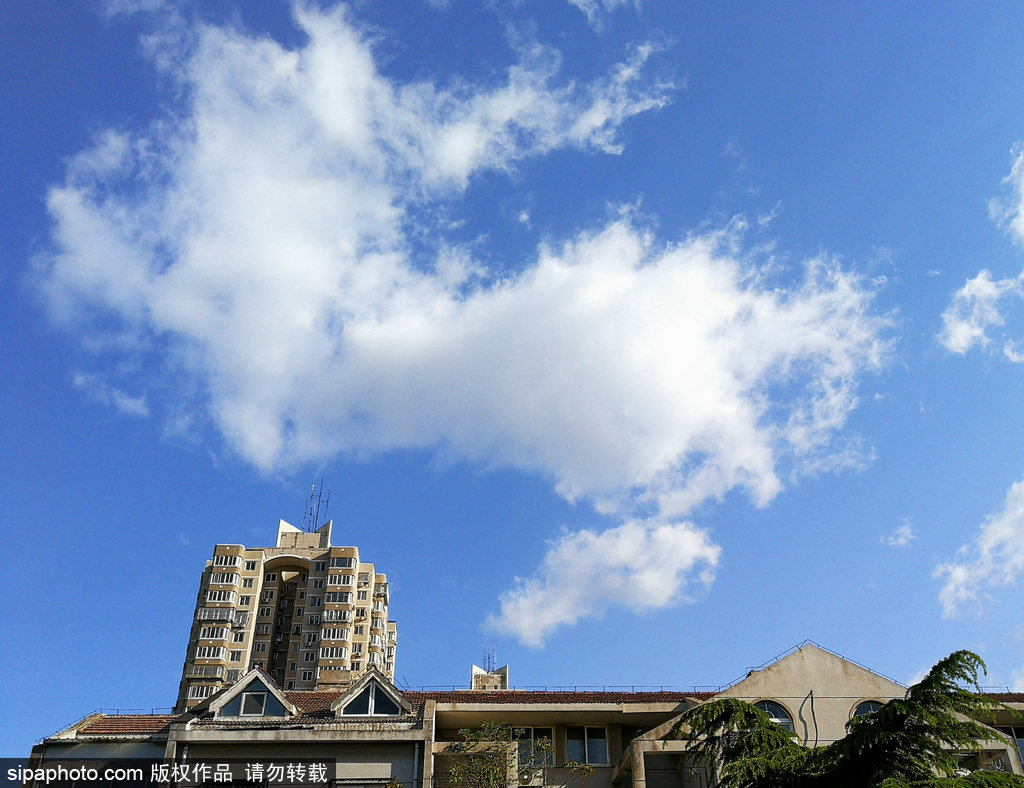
<point x="819" y="689"/>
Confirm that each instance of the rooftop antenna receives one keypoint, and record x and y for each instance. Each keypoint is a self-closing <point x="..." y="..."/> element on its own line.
<point x="489" y="663"/>
<point x="311" y="517"/>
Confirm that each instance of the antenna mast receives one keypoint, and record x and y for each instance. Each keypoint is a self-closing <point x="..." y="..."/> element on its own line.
<point x="311" y="517"/>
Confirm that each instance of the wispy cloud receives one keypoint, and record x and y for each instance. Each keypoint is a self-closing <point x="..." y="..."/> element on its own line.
<point x="100" y="391"/>
<point x="996" y="558"/>
<point x="901" y="536"/>
<point x="974" y="310"/>
<point x="279" y="244"/>
<point x="597" y="10"/>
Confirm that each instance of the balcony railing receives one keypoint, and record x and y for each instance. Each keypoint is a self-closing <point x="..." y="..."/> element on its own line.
<point x="216" y="614"/>
<point x="206" y="672"/>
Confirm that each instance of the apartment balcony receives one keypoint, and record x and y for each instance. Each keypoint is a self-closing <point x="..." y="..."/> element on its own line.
<point x="205" y="672"/>
<point x="228" y="614"/>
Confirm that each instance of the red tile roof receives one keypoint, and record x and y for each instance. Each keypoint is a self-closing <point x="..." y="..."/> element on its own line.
<point x="541" y="696"/>
<point x="128" y="724"/>
<point x="310" y="702"/>
<point x="1006" y="697"/>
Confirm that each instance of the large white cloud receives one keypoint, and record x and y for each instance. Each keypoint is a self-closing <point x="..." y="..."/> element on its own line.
<point x="639" y="565"/>
<point x="260" y="243"/>
<point x="996" y="558"/>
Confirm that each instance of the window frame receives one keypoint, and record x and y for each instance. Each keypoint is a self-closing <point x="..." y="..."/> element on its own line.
<point x="586" y="744"/>
<point x="246" y="694"/>
<point x="775" y="718"/>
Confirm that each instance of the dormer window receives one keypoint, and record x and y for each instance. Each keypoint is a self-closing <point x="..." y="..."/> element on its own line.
<point x="372" y="701"/>
<point x="254" y="704"/>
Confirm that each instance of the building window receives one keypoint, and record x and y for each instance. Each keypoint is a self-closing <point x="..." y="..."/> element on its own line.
<point x="260" y="648"/>
<point x="268" y="595"/>
<point x="316" y="601"/>
<point x="337" y="580"/>
<point x="238" y="637"/>
<point x="247" y="582"/>
<point x="360" y="629"/>
<point x="320" y="566"/>
<point x="291" y="685"/>
<point x="263" y="629"/>
<point x="236" y="656"/>
<point x="536" y="745"/>
<point x="200" y="691"/>
<point x="266" y="611"/>
<point x="310" y="638"/>
<point x="213" y="633"/>
<point x="302" y="594"/>
<point x="360" y="612"/>
<point x="867" y="707"/>
<point x="307" y="675"/>
<point x="335" y="634"/>
<point x="361" y="596"/>
<point x="254" y="704"/>
<point x="224" y="578"/>
<point x="211" y="652"/>
<point x="245" y="601"/>
<point x="220" y="596"/>
<point x="333" y="652"/>
<point x="586" y="745"/>
<point x="777" y="714"/>
<point x="357" y="648"/>
<point x="356" y="665"/>
<point x="364" y="578"/>
<point x="309" y="656"/>
<point x="344" y="563"/>
<point x="314" y="621"/>
<point x="292" y="666"/>
<point x="318" y="583"/>
<point x="227" y="560"/>
<point x="270" y="577"/>
<point x="372" y="701"/>
<point x="250" y="566"/>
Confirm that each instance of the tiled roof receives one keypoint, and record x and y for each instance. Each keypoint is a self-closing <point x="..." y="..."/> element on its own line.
<point x="312" y="702"/>
<point x="128" y="724"/>
<point x="1006" y="697"/>
<point x="541" y="696"/>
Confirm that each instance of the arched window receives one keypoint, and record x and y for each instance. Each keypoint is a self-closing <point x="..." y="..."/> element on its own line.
<point x="867" y="707"/>
<point x="777" y="714"/>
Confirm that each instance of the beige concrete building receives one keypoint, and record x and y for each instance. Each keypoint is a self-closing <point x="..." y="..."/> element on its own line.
<point x="311" y="615"/>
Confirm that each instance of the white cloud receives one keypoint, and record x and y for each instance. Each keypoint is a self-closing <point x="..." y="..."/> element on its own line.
<point x="901" y="536"/>
<point x="638" y="565"/>
<point x="260" y="244"/>
<point x="974" y="310"/>
<point x="105" y="394"/>
<point x="597" y="10"/>
<point x="995" y="559"/>
<point x="1008" y="211"/>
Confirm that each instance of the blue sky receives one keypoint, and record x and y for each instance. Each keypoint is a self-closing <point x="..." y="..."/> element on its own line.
<point x="637" y="341"/>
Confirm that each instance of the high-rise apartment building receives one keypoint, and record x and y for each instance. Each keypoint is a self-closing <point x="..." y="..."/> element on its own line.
<point x="311" y="615"/>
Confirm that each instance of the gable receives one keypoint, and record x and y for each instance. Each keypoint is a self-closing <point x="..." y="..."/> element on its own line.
<point x="371" y="697"/>
<point x="255" y="700"/>
<point x="811" y="669"/>
<point x="817" y="691"/>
